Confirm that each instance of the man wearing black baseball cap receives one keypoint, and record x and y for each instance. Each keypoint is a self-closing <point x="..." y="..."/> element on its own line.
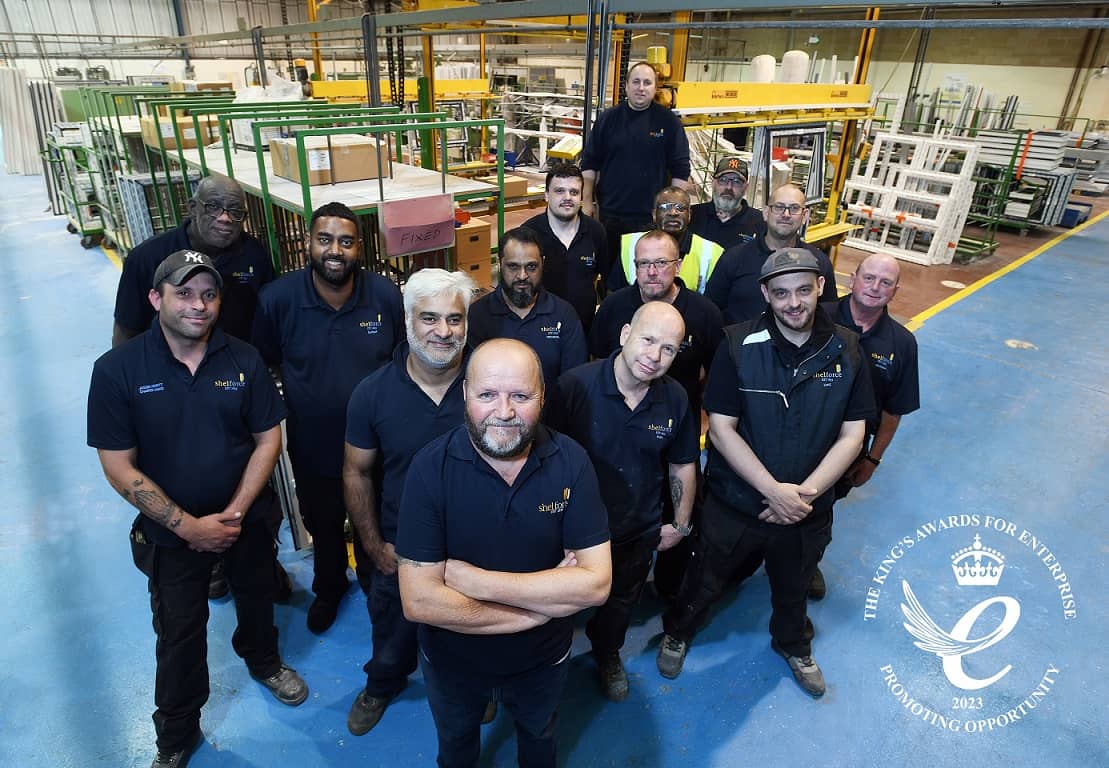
<point x="727" y="219"/>
<point x="187" y="425"/>
<point x="788" y="396"/>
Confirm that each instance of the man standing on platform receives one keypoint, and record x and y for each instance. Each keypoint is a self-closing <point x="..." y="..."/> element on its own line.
<point x="788" y="398"/>
<point x="187" y="426"/>
<point x="727" y="220"/>
<point x="698" y="255"/>
<point x="324" y="328"/>
<point x="521" y="308"/>
<point x="634" y="149"/>
<point x="575" y="249"/>
<point x="393" y="413"/>
<point x="734" y="285"/>
<point x="892" y="352"/>
<point x="502" y="539"/>
<point x="635" y="423"/>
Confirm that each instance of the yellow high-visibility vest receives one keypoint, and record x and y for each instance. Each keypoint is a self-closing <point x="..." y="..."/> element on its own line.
<point x="696" y="267"/>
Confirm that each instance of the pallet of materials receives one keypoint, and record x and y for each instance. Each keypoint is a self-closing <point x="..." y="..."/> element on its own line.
<point x="1035" y="150"/>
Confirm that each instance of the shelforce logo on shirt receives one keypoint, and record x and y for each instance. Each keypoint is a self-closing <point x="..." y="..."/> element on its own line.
<point x="372" y="327"/>
<point x="552" y="331"/>
<point x="231" y="385"/>
<point x="828" y="378"/>
<point x="660" y="133"/>
<point x="588" y="260"/>
<point x="662" y="431"/>
<point x="243" y="277"/>
<point x="146" y="389"/>
<point x="881" y="362"/>
<point x="555" y="507"/>
<point x="687" y="344"/>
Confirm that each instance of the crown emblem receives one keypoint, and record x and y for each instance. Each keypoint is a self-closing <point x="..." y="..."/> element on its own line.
<point x="977" y="566"/>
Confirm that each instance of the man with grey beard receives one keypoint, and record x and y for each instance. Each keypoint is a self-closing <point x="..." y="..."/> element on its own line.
<point x="727" y="220"/>
<point x="394" y="412"/>
<point x="502" y="538"/>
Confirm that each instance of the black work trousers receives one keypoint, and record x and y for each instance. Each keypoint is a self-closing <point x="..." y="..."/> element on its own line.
<point x="394" y="639"/>
<point x="730" y="546"/>
<point x="631" y="562"/>
<point x="177" y="578"/>
<point x="321" y="506"/>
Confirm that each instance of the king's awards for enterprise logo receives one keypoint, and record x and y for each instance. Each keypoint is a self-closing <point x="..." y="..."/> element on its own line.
<point x="960" y="605"/>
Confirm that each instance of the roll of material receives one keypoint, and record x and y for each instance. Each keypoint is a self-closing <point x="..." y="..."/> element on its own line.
<point x="762" y="68"/>
<point x="656" y="54"/>
<point x="795" y="67"/>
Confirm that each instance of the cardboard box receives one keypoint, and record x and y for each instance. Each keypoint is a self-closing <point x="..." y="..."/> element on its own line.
<point x="350" y="158"/>
<point x="472" y="251"/>
<point x="191" y="86"/>
<point x="188" y="133"/>
<point x="514" y="186"/>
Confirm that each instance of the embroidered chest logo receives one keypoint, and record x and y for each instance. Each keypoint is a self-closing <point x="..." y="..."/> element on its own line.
<point x="686" y="345"/>
<point x="553" y="332"/>
<point x="371" y="327"/>
<point x="881" y="362"/>
<point x="146" y="389"/>
<point x="660" y="133"/>
<point x="662" y="431"/>
<point x="243" y="277"/>
<point x="231" y="385"/>
<point x="829" y="378"/>
<point x="556" y="507"/>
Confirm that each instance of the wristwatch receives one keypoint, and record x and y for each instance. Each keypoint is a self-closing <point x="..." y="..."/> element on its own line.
<point x="871" y="459"/>
<point x="684" y="530"/>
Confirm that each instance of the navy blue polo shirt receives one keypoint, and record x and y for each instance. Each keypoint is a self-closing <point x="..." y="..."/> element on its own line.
<point x="892" y="352"/>
<point x="456" y="506"/>
<point x="636" y="153"/>
<point x="323" y="354"/>
<point x="389" y="413"/>
<point x="734" y="283"/>
<point x="245" y="267"/>
<point x="630" y="449"/>
<point x="551" y="328"/>
<point x="745" y="225"/>
<point x="570" y="272"/>
<point x="194" y="433"/>
<point x="704" y="329"/>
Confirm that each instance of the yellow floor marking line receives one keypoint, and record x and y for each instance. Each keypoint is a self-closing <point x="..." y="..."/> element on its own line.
<point x="918" y="320"/>
<point x="113" y="256"/>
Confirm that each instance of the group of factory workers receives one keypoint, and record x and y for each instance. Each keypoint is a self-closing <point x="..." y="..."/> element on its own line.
<point x="496" y="482"/>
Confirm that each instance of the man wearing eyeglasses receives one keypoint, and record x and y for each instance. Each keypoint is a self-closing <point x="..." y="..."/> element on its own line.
<point x="727" y="219"/>
<point x="699" y="256"/>
<point x="657" y="264"/>
<point x="324" y="328"/>
<point x="520" y="308"/>
<point x="634" y="148"/>
<point x="734" y="285"/>
<point x="217" y="211"/>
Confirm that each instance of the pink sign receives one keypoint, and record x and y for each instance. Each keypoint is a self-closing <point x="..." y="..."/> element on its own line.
<point x="418" y="224"/>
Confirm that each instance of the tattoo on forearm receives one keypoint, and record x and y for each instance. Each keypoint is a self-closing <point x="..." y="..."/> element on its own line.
<point x="676" y="491"/>
<point x="155" y="506"/>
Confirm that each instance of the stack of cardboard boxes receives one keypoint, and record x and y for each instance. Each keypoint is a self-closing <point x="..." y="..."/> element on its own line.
<point x="472" y="249"/>
<point x="346" y="157"/>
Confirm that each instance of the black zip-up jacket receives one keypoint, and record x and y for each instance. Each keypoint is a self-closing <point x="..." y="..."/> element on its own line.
<point x="789" y="414"/>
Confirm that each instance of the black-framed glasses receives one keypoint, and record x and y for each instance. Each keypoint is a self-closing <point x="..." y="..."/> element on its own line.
<point x="792" y="210"/>
<point x="676" y="207"/>
<point x="657" y="264"/>
<point x="215" y="210"/>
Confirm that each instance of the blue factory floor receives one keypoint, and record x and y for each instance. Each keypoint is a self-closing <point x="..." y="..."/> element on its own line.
<point x="1008" y="452"/>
